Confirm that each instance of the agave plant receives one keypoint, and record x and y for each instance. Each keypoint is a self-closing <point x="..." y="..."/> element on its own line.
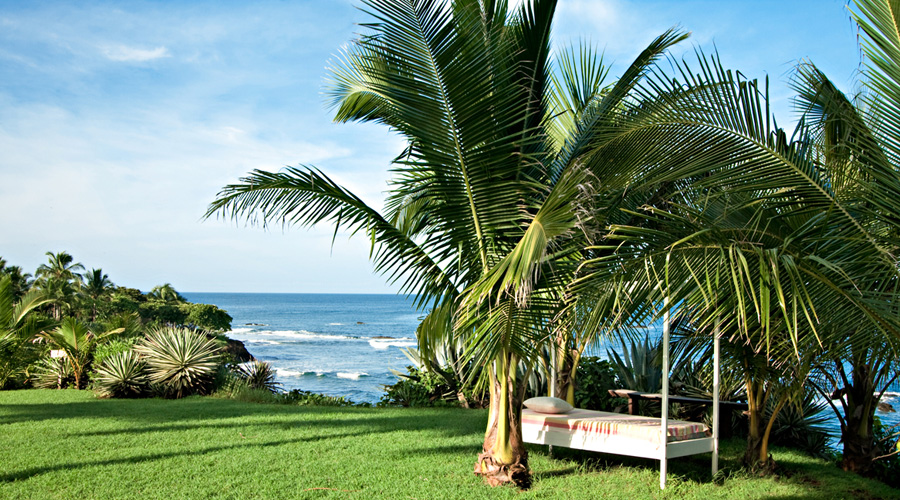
<point x="258" y="375"/>
<point x="53" y="373"/>
<point x="179" y="361"/>
<point x="122" y="375"/>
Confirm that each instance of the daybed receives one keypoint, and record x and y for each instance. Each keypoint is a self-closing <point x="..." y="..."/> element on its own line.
<point x="631" y="435"/>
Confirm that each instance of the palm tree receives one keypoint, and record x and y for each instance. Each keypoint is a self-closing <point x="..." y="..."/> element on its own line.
<point x="96" y="284"/>
<point x="788" y="240"/>
<point x="59" y="279"/>
<point x="488" y="179"/>
<point x="78" y="343"/>
<point x="166" y="293"/>
<point x="21" y="281"/>
<point x="17" y="329"/>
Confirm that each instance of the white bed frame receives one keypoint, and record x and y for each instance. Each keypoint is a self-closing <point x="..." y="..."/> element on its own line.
<point x="661" y="450"/>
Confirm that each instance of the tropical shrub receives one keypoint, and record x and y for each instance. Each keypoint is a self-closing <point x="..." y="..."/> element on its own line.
<point x="122" y="375"/>
<point x="116" y="346"/>
<point x="887" y="467"/>
<point x="52" y="373"/>
<point x="592" y="384"/>
<point x="179" y="361"/>
<point x="803" y="426"/>
<point x="418" y="388"/>
<point x="306" y="398"/>
<point x="206" y="317"/>
<point x="78" y="342"/>
<point x="258" y="375"/>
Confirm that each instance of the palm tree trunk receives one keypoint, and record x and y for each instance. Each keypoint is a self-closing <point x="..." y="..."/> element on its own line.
<point x="859" y="434"/>
<point x="504" y="458"/>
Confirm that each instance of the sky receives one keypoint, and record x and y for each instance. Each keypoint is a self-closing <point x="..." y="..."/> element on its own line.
<point x="120" y="121"/>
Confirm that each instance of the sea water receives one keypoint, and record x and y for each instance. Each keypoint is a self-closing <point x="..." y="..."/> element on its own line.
<point x="336" y="344"/>
<point x="348" y="344"/>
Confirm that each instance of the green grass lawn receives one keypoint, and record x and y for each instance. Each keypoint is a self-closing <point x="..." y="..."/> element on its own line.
<point x="67" y="444"/>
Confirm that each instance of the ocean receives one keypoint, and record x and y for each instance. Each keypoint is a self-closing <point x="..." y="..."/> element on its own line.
<point x="336" y="344"/>
<point x="347" y="344"/>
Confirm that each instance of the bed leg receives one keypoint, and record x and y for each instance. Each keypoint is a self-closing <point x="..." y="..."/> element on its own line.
<point x="662" y="473"/>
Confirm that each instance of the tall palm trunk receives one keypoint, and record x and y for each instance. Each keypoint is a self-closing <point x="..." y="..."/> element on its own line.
<point x="504" y="458"/>
<point x="567" y="360"/>
<point x="858" y="433"/>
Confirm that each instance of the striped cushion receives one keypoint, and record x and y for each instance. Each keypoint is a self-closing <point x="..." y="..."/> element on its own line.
<point x="602" y="424"/>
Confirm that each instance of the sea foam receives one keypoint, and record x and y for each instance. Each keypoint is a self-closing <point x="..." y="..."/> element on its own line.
<point x="385" y="343"/>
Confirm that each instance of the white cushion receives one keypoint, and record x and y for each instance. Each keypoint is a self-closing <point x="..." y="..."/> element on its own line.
<point x="547" y="405"/>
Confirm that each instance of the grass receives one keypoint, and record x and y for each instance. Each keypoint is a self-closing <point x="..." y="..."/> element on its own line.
<point x="67" y="444"/>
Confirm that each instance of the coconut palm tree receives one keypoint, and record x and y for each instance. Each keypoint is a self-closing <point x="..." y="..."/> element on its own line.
<point x="798" y="236"/>
<point x="489" y="178"/>
<point x="21" y="281"/>
<point x="166" y="293"/>
<point x="95" y="285"/>
<point x="59" y="279"/>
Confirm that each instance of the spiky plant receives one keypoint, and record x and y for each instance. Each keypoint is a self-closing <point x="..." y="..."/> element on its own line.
<point x="258" y="375"/>
<point x="122" y="375"/>
<point x="52" y="373"/>
<point x="179" y="361"/>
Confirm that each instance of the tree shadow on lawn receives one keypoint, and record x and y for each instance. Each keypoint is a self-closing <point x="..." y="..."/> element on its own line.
<point x="160" y="415"/>
<point x="36" y="471"/>
<point x="695" y="469"/>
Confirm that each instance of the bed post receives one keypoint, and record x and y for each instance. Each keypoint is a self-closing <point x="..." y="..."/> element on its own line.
<point x="664" y="420"/>
<point x="715" y="422"/>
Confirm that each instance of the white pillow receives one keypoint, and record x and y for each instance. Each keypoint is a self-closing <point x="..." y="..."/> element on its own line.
<point x="547" y="405"/>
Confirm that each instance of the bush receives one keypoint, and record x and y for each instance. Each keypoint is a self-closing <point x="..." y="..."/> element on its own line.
<point x="206" y="317"/>
<point x="306" y="398"/>
<point x="179" y="361"/>
<point x="122" y="375"/>
<point x="52" y="373"/>
<point x="108" y="349"/>
<point x="803" y="426"/>
<point x="419" y="388"/>
<point x="593" y="380"/>
<point x="258" y="375"/>
<point x="887" y="467"/>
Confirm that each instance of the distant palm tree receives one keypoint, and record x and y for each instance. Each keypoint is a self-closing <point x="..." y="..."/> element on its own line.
<point x="20" y="281"/>
<point x="95" y="285"/>
<point x="165" y="292"/>
<point x="59" y="279"/>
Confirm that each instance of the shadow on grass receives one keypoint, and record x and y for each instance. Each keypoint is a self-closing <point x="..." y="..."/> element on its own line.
<point x="160" y="415"/>
<point x="36" y="471"/>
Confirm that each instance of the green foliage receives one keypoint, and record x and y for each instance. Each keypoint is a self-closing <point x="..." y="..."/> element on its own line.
<point x="803" y="426"/>
<point x="418" y="388"/>
<point x="639" y="369"/>
<point x="162" y="313"/>
<point x="78" y="343"/>
<point x="52" y="373"/>
<point x="179" y="361"/>
<point x="209" y="448"/>
<point x="306" y="398"/>
<point x="18" y="328"/>
<point x="206" y="317"/>
<point x="594" y="379"/>
<point x="258" y="375"/>
<point x="122" y="375"/>
<point x="113" y="347"/>
<point x="887" y="467"/>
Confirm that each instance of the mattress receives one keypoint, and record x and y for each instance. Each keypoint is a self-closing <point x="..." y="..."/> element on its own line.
<point x="600" y="425"/>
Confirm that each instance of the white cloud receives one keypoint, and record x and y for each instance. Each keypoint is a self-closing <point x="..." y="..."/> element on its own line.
<point x="131" y="54"/>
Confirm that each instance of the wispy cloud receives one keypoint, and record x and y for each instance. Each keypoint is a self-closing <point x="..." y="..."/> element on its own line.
<point x="131" y="54"/>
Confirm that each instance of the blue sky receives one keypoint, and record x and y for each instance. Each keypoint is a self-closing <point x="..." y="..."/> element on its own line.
<point x="121" y="121"/>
